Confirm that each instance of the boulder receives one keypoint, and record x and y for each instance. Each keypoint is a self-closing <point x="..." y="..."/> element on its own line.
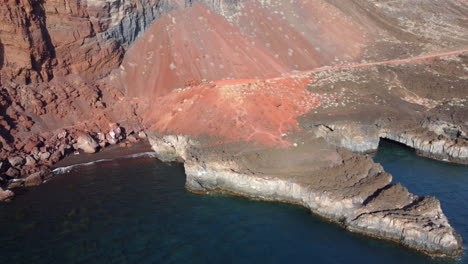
<point x="30" y="145"/>
<point x="87" y="144"/>
<point x="56" y="156"/>
<point x="132" y="139"/>
<point x="30" y="161"/>
<point x="62" y="134"/>
<point x="44" y="155"/>
<point x="35" y="178"/>
<point x="6" y="194"/>
<point x="142" y="135"/>
<point x="111" y="139"/>
<point x="16" y="161"/>
<point x="101" y="136"/>
<point x="12" y="173"/>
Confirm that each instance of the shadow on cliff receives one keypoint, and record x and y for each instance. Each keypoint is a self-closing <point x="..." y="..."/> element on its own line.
<point x="2" y="58"/>
<point x="5" y="133"/>
<point x="42" y="64"/>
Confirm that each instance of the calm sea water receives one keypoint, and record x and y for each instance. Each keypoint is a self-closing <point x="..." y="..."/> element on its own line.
<point x="137" y="211"/>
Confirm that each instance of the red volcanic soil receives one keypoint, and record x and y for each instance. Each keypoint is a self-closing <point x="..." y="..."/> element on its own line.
<point x="193" y="44"/>
<point x="304" y="34"/>
<point x="261" y="110"/>
<point x="193" y="72"/>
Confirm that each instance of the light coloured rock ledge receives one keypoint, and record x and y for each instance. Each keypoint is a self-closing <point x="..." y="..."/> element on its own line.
<point x="355" y="193"/>
<point x="360" y="138"/>
<point x="432" y="146"/>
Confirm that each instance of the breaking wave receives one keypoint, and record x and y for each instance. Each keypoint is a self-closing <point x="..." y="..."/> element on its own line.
<point x="61" y="170"/>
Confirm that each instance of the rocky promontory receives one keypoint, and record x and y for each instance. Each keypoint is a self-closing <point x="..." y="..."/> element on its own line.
<point x="346" y="188"/>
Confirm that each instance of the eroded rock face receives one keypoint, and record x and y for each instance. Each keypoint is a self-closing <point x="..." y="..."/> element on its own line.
<point x="26" y="51"/>
<point x="428" y="113"/>
<point x="346" y="188"/>
<point x="42" y="39"/>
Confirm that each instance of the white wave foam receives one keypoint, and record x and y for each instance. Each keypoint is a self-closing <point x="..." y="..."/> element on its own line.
<point x="61" y="170"/>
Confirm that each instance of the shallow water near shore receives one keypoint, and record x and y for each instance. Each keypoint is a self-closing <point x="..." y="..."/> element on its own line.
<point x="138" y="211"/>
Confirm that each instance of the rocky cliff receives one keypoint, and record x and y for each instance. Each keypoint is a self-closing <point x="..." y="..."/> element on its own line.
<point x="42" y="39"/>
<point x="248" y="81"/>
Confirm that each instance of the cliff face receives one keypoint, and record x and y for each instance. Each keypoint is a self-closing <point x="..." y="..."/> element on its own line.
<point x="42" y="39"/>
<point x="26" y="50"/>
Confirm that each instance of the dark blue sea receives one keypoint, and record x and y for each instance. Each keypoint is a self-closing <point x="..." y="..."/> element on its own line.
<point x="137" y="211"/>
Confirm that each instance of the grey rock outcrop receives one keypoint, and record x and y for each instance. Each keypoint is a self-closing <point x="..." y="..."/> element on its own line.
<point x="364" y="138"/>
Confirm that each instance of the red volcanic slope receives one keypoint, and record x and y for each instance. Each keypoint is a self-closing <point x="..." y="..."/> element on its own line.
<point x="259" y="110"/>
<point x="303" y="34"/>
<point x="189" y="45"/>
<point x="263" y="41"/>
<point x="193" y="44"/>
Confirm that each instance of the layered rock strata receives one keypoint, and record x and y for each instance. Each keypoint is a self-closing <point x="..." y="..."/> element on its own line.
<point x="43" y="39"/>
<point x="345" y="188"/>
<point x="428" y="113"/>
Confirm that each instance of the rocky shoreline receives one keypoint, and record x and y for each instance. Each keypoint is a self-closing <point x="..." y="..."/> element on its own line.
<point x="353" y="191"/>
<point x="31" y="165"/>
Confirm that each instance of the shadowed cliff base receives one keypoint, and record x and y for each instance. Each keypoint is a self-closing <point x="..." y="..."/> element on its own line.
<point x="2" y="56"/>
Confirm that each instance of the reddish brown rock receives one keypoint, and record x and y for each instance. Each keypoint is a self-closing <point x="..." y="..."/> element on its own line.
<point x="26" y="48"/>
<point x="6" y="194"/>
<point x="12" y="173"/>
<point x="31" y="144"/>
<point x="132" y="139"/>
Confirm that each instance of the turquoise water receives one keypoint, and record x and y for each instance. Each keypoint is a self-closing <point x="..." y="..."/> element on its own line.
<point x="137" y="211"/>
